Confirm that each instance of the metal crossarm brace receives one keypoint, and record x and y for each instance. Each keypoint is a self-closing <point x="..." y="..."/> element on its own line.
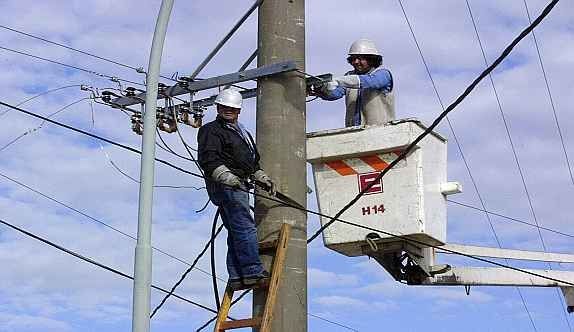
<point x="242" y="76"/>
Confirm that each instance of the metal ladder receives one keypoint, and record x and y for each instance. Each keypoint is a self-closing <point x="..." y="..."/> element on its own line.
<point x="264" y="321"/>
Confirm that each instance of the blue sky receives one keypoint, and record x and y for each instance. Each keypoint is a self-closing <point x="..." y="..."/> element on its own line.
<point x="42" y="289"/>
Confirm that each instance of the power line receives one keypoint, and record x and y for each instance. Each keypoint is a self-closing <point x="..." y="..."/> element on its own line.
<point x="134" y="238"/>
<point x="98" y="264"/>
<point x="272" y="198"/>
<point x="94" y="219"/>
<point x="435" y="123"/>
<point x="514" y="153"/>
<point x="550" y="98"/>
<point x="510" y="218"/>
<point x="42" y="94"/>
<point x="285" y="203"/>
<point x="505" y="122"/>
<point x="465" y="162"/>
<point x="124" y="173"/>
<point x="32" y="130"/>
<point x="139" y="70"/>
<point x="113" y="78"/>
<point x="182" y="278"/>
<point x="245" y="292"/>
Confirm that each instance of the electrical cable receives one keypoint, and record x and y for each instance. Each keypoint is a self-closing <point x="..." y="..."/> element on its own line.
<point x="32" y="130"/>
<point x="124" y="173"/>
<point x="245" y="292"/>
<point x="550" y="98"/>
<point x="209" y="244"/>
<point x="93" y="219"/>
<point x="511" y="142"/>
<point x="212" y="260"/>
<point x="462" y="155"/>
<point x="168" y="149"/>
<point x="335" y="323"/>
<point x="42" y="94"/>
<point x="171" y="291"/>
<point x="510" y="218"/>
<point x="103" y="266"/>
<point x="204" y="206"/>
<point x="435" y="123"/>
<point x="138" y="69"/>
<point x="284" y="203"/>
<point x="113" y="78"/>
<point x="308" y="314"/>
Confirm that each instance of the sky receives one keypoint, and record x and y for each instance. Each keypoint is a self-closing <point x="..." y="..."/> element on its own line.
<point x="43" y="289"/>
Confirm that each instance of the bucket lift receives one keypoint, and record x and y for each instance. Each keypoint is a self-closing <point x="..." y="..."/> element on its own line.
<point x="409" y="201"/>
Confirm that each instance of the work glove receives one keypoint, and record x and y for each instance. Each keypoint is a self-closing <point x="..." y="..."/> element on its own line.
<point x="264" y="179"/>
<point x="331" y="85"/>
<point x="348" y="81"/>
<point x="223" y="175"/>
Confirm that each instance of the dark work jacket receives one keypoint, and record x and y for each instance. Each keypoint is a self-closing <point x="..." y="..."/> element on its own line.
<point x="220" y="145"/>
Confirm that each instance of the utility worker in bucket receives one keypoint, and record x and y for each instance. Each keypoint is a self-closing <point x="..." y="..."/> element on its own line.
<point x="228" y="156"/>
<point x="368" y="88"/>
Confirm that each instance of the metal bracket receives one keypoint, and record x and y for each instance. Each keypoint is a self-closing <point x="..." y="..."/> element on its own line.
<point x="405" y="262"/>
<point x="198" y="85"/>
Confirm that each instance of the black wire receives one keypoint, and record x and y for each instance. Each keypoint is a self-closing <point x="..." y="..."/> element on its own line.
<point x="550" y="98"/>
<point x="31" y="130"/>
<point x="285" y="203"/>
<point x="93" y="262"/>
<point x="510" y="218"/>
<point x="335" y="323"/>
<point x="212" y="260"/>
<point x="245" y="292"/>
<point x="167" y="148"/>
<point x="204" y="207"/>
<point x="96" y="220"/>
<point x="511" y="142"/>
<point x="503" y="117"/>
<point x="140" y="70"/>
<point x="187" y="271"/>
<point x="42" y="94"/>
<point x="462" y="155"/>
<point x="436" y="122"/>
<point x="71" y="66"/>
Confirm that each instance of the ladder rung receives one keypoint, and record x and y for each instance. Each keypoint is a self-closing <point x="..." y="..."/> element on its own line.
<point x="237" y="324"/>
<point x="267" y="246"/>
<point x="264" y="283"/>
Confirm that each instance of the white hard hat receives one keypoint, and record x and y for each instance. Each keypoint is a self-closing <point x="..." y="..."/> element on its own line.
<point x="363" y="47"/>
<point x="230" y="98"/>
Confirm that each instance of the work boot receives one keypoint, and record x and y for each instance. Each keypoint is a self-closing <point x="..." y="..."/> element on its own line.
<point x="250" y="281"/>
<point x="235" y="283"/>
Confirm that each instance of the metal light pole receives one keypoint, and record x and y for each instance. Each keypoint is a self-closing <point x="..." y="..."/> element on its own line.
<point x="142" y="268"/>
<point x="281" y="142"/>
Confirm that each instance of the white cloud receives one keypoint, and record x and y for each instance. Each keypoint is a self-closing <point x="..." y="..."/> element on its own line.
<point x="343" y="301"/>
<point x="325" y="279"/>
<point x="42" y="289"/>
<point x="12" y="323"/>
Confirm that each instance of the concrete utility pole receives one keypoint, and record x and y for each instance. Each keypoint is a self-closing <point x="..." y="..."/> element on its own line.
<point x="281" y="143"/>
<point x="142" y="268"/>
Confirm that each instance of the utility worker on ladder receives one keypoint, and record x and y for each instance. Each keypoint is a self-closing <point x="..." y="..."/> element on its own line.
<point x="228" y="156"/>
<point x="368" y="88"/>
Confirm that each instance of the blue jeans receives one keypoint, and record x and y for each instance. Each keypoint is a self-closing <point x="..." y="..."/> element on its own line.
<point x="242" y="245"/>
